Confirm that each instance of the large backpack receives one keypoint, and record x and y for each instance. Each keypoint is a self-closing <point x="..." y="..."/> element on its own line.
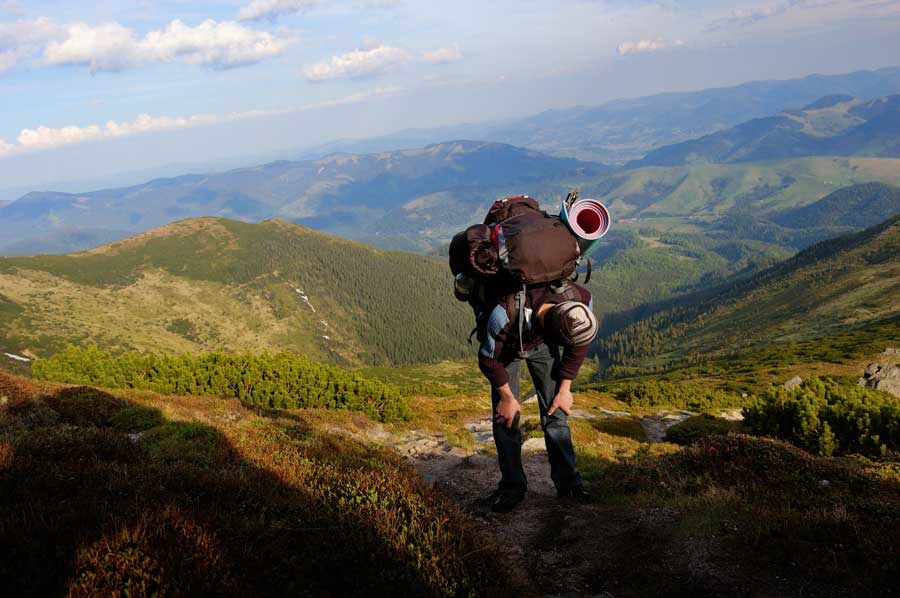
<point x="533" y="246"/>
<point x="518" y="245"/>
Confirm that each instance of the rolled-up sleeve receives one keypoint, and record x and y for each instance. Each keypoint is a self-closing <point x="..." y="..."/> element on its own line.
<point x="489" y="353"/>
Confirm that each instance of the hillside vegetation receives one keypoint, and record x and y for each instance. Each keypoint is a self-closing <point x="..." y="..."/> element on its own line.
<point x="860" y="205"/>
<point x="139" y="494"/>
<point x="281" y="381"/>
<point x="835" y="286"/>
<point x="211" y="284"/>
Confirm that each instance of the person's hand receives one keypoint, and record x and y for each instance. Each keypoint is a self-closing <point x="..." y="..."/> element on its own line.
<point x="563" y="400"/>
<point x="507" y="408"/>
<point x="506" y="411"/>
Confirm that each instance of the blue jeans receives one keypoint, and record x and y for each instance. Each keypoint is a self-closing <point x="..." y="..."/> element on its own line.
<point x="543" y="365"/>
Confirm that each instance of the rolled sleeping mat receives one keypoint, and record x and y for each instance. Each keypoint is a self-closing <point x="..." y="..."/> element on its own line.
<point x="588" y="219"/>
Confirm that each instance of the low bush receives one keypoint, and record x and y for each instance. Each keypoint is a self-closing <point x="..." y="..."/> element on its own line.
<point x="282" y="380"/>
<point x="681" y="395"/>
<point x="223" y="501"/>
<point x="827" y="417"/>
<point x="698" y="427"/>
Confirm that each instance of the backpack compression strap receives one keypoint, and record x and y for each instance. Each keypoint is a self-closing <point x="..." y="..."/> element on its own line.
<point x="520" y="316"/>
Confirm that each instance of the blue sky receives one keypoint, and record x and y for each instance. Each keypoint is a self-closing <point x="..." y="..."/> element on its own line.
<point x="91" y="89"/>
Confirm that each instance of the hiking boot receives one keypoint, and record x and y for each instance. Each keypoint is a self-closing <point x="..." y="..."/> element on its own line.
<point x="578" y="492"/>
<point x="504" y="501"/>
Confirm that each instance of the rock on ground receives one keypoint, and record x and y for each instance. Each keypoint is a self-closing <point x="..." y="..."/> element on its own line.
<point x="795" y="381"/>
<point x="882" y="376"/>
<point x="656" y="425"/>
<point x="733" y="415"/>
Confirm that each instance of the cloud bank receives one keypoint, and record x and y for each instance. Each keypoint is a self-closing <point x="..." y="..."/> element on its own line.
<point x="22" y="39"/>
<point x="269" y="9"/>
<point x="646" y="45"/>
<point x="112" y="47"/>
<point x="44" y="138"/>
<point x="359" y="63"/>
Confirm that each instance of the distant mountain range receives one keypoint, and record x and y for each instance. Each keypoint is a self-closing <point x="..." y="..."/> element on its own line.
<point x="834" y="286"/>
<point x="215" y="284"/>
<point x="624" y="130"/>
<point x="414" y="199"/>
<point x="342" y="193"/>
<point x="833" y="126"/>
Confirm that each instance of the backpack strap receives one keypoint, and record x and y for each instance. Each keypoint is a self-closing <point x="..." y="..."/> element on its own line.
<point x="590" y="269"/>
<point x="520" y="316"/>
<point x="565" y="289"/>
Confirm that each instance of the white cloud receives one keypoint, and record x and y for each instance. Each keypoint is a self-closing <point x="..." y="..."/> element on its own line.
<point x="443" y="55"/>
<point x="22" y="39"/>
<point x="269" y="9"/>
<point x="646" y="45"/>
<point x="44" y="138"/>
<point x="358" y="63"/>
<point x="112" y="47"/>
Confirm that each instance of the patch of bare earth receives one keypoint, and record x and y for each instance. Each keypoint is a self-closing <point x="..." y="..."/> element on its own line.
<point x="561" y="547"/>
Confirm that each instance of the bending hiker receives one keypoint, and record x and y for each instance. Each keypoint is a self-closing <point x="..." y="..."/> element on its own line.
<point x="516" y="271"/>
<point x="553" y="342"/>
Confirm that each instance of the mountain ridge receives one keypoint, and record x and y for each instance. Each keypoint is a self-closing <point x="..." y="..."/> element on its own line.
<point x="212" y="283"/>
<point x="622" y="130"/>
<point x="835" y="285"/>
<point x="847" y="128"/>
<point x="343" y="192"/>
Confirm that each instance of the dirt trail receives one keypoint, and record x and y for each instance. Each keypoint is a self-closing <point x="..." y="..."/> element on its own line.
<point x="542" y="538"/>
<point x="562" y="548"/>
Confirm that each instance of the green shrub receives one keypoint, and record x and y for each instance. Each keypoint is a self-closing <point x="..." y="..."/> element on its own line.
<point x="827" y="417"/>
<point x="698" y="427"/>
<point x="282" y="380"/>
<point x="136" y="419"/>
<point x="681" y="395"/>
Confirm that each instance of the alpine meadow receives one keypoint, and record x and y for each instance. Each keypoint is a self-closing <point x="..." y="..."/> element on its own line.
<point x="338" y="298"/>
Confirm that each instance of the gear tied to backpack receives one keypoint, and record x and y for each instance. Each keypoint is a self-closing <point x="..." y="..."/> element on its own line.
<point x="519" y="246"/>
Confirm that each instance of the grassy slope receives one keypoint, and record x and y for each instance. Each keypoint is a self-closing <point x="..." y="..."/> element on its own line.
<point x="212" y="283"/>
<point x="213" y="498"/>
<point x="833" y="287"/>
<point x="709" y="191"/>
<point x="209" y="498"/>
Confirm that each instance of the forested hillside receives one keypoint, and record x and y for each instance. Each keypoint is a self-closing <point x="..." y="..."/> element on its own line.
<point x="861" y="205"/>
<point x="832" y="287"/>
<point x="208" y="284"/>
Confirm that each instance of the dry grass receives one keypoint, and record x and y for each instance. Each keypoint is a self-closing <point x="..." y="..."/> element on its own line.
<point x="212" y="498"/>
<point x="210" y="226"/>
<point x="140" y="315"/>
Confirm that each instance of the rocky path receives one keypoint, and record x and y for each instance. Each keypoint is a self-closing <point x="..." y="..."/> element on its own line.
<point x="555" y="547"/>
<point x="543" y="540"/>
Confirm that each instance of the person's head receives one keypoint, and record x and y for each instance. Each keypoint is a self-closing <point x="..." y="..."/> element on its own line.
<point x="571" y="323"/>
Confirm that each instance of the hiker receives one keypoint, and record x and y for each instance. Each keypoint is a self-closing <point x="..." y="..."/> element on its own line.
<point x="559" y="329"/>
<point x="517" y="270"/>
